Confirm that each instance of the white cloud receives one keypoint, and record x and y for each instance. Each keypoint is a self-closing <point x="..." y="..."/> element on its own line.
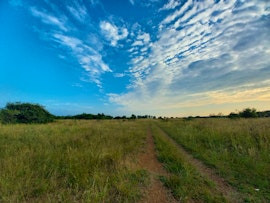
<point x="113" y="33"/>
<point x="145" y="37"/>
<point x="137" y="43"/>
<point x="89" y="59"/>
<point x="73" y="43"/>
<point x="94" y="2"/>
<point x="204" y="51"/>
<point x="132" y="2"/>
<point x="170" y="5"/>
<point x="141" y="40"/>
<point x="49" y="19"/>
<point x="119" y="75"/>
<point x="78" y="11"/>
<point x="84" y="49"/>
<point x="177" y="13"/>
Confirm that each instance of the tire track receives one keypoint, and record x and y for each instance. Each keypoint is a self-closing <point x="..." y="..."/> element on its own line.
<point x="227" y="191"/>
<point x="156" y="193"/>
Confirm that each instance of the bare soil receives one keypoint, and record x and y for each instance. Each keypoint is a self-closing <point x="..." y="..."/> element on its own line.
<point x="156" y="193"/>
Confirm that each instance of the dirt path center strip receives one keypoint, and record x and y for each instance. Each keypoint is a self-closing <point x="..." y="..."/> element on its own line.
<point x="156" y="193"/>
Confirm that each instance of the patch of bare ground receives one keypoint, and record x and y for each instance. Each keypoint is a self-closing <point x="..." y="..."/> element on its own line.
<point x="156" y="193"/>
<point x="228" y="192"/>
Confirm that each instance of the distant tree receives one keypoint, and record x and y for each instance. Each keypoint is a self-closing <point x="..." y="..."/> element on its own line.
<point x="264" y="114"/>
<point x="248" y="113"/>
<point x="140" y="117"/>
<point x="189" y="118"/>
<point x="233" y="115"/>
<point x="133" y="116"/>
<point x="8" y="116"/>
<point x="25" y="113"/>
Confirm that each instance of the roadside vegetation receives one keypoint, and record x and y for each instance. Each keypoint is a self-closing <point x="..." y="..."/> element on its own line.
<point x="238" y="149"/>
<point x="184" y="180"/>
<point x="71" y="161"/>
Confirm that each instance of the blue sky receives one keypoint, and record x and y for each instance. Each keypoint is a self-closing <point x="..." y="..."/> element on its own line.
<point x="158" y="57"/>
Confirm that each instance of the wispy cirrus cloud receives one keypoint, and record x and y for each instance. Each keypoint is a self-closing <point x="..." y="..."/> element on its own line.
<point x="58" y="22"/>
<point x="85" y="49"/>
<point x="94" y="2"/>
<point x="78" y="11"/>
<point x="203" y="50"/>
<point x="88" y="58"/>
<point x="132" y="2"/>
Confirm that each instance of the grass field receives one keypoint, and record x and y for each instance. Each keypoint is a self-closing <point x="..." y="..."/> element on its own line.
<point x="95" y="161"/>
<point x="238" y="149"/>
<point x="71" y="161"/>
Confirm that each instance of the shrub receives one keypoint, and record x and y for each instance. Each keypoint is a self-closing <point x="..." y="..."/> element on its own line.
<point x="25" y="113"/>
<point x="248" y="113"/>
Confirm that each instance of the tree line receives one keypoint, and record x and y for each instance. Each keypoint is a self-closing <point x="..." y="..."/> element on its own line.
<point x="249" y="113"/>
<point x="34" y="113"/>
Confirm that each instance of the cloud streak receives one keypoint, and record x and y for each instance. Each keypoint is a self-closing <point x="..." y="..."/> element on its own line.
<point x="89" y="59"/>
<point x="204" y="50"/>
<point x="78" y="11"/>
<point x="50" y="19"/>
<point x="65" y="34"/>
<point x="170" y="5"/>
<point x="132" y="2"/>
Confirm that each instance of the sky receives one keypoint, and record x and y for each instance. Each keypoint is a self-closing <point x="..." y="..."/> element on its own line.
<point x="123" y="57"/>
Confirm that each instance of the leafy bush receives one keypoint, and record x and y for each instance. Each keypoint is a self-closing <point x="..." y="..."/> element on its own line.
<point x="25" y="113"/>
<point x="249" y="113"/>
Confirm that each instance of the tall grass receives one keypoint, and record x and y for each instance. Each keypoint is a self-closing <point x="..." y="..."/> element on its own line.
<point x="185" y="181"/>
<point x="71" y="161"/>
<point x="238" y="149"/>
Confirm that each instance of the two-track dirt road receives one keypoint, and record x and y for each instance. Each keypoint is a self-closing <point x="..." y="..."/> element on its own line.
<point x="158" y="193"/>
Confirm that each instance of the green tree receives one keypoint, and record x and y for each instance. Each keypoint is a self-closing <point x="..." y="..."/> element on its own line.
<point x="248" y="113"/>
<point x="25" y="113"/>
<point x="233" y="115"/>
<point x="133" y="116"/>
<point x="8" y="116"/>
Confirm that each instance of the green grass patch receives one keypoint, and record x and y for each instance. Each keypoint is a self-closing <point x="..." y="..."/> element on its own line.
<point x="237" y="148"/>
<point x="71" y="161"/>
<point x="185" y="182"/>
